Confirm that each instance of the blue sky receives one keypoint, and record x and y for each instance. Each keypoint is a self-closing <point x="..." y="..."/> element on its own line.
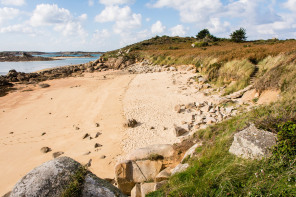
<point x="102" y="25"/>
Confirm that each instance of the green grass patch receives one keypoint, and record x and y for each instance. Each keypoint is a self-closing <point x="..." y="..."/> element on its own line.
<point x="216" y="172"/>
<point x="74" y="189"/>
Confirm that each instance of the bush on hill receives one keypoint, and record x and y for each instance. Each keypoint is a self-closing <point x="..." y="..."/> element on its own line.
<point x="238" y="35"/>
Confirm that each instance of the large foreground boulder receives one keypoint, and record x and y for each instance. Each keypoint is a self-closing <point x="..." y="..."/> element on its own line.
<point x="53" y="178"/>
<point x="94" y="186"/>
<point x="252" y="143"/>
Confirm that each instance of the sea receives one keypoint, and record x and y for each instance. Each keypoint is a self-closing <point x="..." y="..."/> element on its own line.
<point x="33" y="66"/>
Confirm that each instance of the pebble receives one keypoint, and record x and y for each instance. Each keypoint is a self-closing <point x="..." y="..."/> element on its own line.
<point x="97" y="145"/>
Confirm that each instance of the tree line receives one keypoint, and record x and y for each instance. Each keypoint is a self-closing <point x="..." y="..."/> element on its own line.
<point x="236" y="36"/>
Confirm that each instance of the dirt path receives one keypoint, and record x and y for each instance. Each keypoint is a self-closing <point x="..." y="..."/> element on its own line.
<point x="65" y="112"/>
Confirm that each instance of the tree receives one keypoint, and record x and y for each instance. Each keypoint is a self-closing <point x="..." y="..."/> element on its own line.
<point x="203" y="33"/>
<point x="238" y="35"/>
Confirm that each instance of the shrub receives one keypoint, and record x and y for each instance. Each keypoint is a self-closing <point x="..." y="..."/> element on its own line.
<point x="238" y="35"/>
<point x="202" y="34"/>
<point x="286" y="146"/>
<point x="201" y="44"/>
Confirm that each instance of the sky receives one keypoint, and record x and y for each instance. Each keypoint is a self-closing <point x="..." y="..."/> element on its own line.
<point x="103" y="25"/>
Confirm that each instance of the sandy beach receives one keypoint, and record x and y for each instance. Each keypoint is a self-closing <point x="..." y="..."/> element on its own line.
<point x="58" y="111"/>
<point x="61" y="115"/>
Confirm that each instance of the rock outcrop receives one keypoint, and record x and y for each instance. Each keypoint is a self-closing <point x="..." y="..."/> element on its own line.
<point x="128" y="173"/>
<point x="164" y="150"/>
<point x="142" y="165"/>
<point x="180" y="168"/>
<point x="190" y="152"/>
<point x="252" y="143"/>
<point x="53" y="177"/>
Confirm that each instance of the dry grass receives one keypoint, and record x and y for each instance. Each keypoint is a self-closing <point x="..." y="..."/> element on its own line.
<point x="277" y="72"/>
<point x="225" y="62"/>
<point x="223" y="50"/>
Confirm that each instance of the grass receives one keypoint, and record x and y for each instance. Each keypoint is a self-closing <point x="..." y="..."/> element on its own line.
<point x="223" y="62"/>
<point x="74" y="189"/>
<point x="216" y="172"/>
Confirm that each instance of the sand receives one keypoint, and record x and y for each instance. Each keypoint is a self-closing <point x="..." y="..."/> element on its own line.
<point x="58" y="110"/>
<point x="72" y="103"/>
<point x="151" y="99"/>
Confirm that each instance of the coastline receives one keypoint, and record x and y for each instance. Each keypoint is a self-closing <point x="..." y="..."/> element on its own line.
<point x="58" y="111"/>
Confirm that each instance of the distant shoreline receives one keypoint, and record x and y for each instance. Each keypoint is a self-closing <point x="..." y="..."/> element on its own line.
<point x="24" y="59"/>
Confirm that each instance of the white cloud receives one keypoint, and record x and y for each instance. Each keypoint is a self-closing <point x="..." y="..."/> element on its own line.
<point x="91" y="2"/>
<point x="220" y="18"/>
<point x="290" y="4"/>
<point x="17" y="29"/>
<point x="192" y="10"/>
<point x="216" y="26"/>
<point x="46" y="14"/>
<point x="157" y="28"/>
<point x="113" y="13"/>
<point x="254" y="12"/>
<point x="13" y="2"/>
<point x="133" y="37"/>
<point x="178" y="30"/>
<point x="60" y="18"/>
<point x="124" y="18"/>
<point x="104" y="33"/>
<point x="115" y="2"/>
<point x="82" y="17"/>
<point x="71" y="29"/>
<point x="8" y="13"/>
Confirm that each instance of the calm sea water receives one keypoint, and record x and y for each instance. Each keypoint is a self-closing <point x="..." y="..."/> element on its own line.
<point x="39" y="65"/>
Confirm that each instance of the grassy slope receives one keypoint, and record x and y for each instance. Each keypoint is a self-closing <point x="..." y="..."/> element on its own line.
<point x="222" y="62"/>
<point x="215" y="172"/>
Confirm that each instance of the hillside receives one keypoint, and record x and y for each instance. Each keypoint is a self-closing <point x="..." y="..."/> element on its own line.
<point x="264" y="64"/>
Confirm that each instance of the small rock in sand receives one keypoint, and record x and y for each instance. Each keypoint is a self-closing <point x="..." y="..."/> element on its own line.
<point x="44" y="85"/>
<point x="85" y="136"/>
<point x="11" y="133"/>
<point x="57" y="154"/>
<point x="131" y="123"/>
<point x="87" y="153"/>
<point x="97" y="145"/>
<point x="103" y="157"/>
<point x="43" y="134"/>
<point x="77" y="128"/>
<point x="98" y="134"/>
<point x="45" y="149"/>
<point x="179" y="131"/>
<point x="88" y="163"/>
<point x="178" y="108"/>
<point x="152" y="128"/>
<point x="97" y="124"/>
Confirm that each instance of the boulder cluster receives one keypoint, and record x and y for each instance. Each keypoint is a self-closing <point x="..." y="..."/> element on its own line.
<point x="147" y="169"/>
<point x="144" y="170"/>
<point x="203" y="114"/>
